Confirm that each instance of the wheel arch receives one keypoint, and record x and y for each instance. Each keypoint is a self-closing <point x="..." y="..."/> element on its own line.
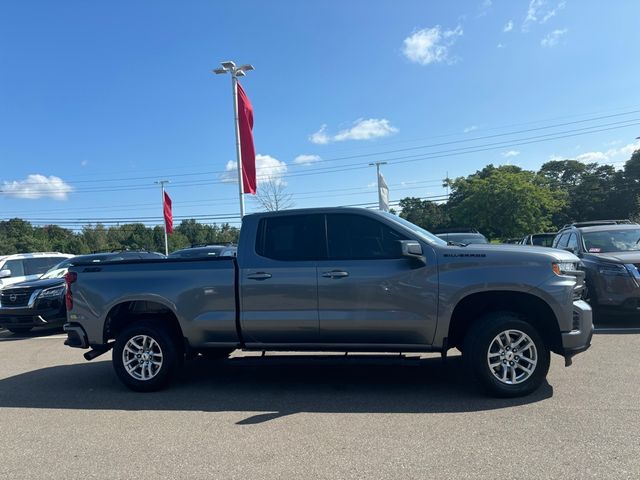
<point x="130" y="311"/>
<point x="470" y="309"/>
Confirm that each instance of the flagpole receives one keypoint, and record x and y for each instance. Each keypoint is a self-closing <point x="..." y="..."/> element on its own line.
<point x="234" y="86"/>
<point x="164" y="221"/>
<point x="380" y="201"/>
<point x="230" y="67"/>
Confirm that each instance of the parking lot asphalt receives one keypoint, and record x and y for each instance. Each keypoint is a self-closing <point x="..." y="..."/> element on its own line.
<point x="325" y="416"/>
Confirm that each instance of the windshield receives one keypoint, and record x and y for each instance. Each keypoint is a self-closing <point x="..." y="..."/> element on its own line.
<point x="57" y="270"/>
<point x="466" y="238"/>
<point x="421" y="232"/>
<point x="54" y="273"/>
<point x="612" y="241"/>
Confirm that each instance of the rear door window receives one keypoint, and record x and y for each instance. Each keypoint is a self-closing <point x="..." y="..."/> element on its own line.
<point x="291" y="238"/>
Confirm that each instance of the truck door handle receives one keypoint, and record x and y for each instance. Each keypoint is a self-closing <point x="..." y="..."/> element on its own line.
<point x="259" y="276"/>
<point x="335" y="274"/>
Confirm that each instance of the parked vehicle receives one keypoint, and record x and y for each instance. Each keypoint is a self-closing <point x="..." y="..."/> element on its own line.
<point x="336" y="279"/>
<point x="205" y="251"/>
<point x="610" y="254"/>
<point x="539" y="239"/>
<point x="512" y="241"/>
<point x="21" y="267"/>
<point x="41" y="302"/>
<point x="464" y="236"/>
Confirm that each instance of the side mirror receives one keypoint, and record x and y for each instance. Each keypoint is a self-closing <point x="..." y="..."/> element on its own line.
<point x="5" y="273"/>
<point x="412" y="249"/>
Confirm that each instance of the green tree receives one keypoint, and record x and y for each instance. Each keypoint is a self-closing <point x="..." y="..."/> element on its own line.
<point x="504" y="202"/>
<point x="428" y="215"/>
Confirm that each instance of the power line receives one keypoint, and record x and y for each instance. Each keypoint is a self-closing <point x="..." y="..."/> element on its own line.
<point x="364" y="155"/>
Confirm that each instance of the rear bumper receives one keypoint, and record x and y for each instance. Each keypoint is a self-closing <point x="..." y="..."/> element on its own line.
<point x="76" y="336"/>
<point x="579" y="338"/>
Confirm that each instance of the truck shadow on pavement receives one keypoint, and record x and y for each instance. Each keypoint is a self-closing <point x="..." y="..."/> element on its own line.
<point x="273" y="386"/>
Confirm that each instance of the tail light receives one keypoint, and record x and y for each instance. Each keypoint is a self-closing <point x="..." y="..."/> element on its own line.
<point x="69" y="278"/>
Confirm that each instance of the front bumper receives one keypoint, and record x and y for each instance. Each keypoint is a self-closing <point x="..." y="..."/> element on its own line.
<point x="32" y="319"/>
<point x="579" y="338"/>
<point x="76" y="336"/>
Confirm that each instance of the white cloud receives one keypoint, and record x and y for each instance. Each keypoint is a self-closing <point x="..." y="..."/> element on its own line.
<point x="591" y="157"/>
<point x="366" y="129"/>
<point x="430" y="45"/>
<point x="540" y="11"/>
<point x="607" y="156"/>
<point x="511" y="153"/>
<point x="37" y="186"/>
<point x="552" y="38"/>
<point x="267" y="168"/>
<point x="508" y="27"/>
<point x="500" y="45"/>
<point x="362" y="129"/>
<point x="84" y="163"/>
<point x="552" y="13"/>
<point x="320" y="137"/>
<point x="470" y="129"/>
<point x="306" y="159"/>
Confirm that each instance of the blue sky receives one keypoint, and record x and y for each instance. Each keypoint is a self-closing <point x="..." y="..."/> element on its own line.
<point x="99" y="99"/>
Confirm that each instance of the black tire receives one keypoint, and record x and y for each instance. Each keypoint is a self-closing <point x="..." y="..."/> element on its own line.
<point x="19" y="330"/>
<point x="216" y="353"/>
<point x="171" y="355"/>
<point x="480" y="339"/>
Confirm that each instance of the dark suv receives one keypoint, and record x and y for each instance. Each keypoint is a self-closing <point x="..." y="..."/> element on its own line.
<point x="41" y="302"/>
<point x="610" y="254"/>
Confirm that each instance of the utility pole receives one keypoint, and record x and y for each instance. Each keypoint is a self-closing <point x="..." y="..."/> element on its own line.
<point x="230" y="67"/>
<point x="381" y="203"/>
<point x="164" y="222"/>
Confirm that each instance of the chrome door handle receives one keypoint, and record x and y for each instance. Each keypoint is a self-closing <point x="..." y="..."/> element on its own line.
<point x="259" y="276"/>
<point x="335" y="274"/>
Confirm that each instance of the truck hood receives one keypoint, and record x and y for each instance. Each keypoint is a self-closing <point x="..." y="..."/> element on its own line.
<point x="515" y="251"/>
<point x="46" y="283"/>
<point x="616" y="257"/>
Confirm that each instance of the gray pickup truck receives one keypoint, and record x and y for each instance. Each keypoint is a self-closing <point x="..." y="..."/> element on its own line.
<point x="336" y="279"/>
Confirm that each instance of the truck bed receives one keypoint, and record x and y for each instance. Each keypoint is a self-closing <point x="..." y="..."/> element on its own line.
<point x="201" y="293"/>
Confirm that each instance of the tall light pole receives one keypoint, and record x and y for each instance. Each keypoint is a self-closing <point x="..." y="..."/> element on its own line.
<point x="164" y="221"/>
<point x="381" y="202"/>
<point x="230" y="67"/>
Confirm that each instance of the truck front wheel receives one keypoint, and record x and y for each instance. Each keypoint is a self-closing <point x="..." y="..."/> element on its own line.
<point x="506" y="355"/>
<point x="145" y="356"/>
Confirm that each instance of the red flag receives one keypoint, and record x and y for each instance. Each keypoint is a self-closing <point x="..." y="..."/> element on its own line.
<point x="248" y="153"/>
<point x="168" y="214"/>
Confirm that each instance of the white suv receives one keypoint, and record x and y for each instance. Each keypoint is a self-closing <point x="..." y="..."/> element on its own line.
<point x="22" y="267"/>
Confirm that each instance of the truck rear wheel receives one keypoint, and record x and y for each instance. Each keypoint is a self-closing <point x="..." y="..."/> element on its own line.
<point x="145" y="356"/>
<point x="506" y="355"/>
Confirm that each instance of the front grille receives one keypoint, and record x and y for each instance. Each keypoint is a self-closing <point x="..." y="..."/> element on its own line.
<point x="15" y="297"/>
<point x="578" y="289"/>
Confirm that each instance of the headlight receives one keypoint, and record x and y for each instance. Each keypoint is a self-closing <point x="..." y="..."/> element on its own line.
<point x="564" y="268"/>
<point x="52" y="292"/>
<point x="614" y="269"/>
